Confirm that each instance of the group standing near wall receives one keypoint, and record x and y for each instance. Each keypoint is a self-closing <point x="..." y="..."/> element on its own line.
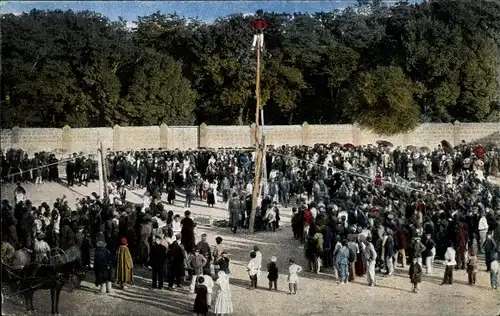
<point x="86" y="140"/>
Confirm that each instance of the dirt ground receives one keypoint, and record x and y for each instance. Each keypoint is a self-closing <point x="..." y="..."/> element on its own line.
<point x="318" y="294"/>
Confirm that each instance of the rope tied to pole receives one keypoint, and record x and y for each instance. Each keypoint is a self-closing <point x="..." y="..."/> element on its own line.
<point x="43" y="166"/>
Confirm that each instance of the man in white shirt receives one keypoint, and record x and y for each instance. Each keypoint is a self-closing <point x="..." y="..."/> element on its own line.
<point x="494" y="270"/>
<point x="146" y="201"/>
<point x="249" y="188"/>
<point x="253" y="270"/>
<point x="270" y="217"/>
<point x="449" y="260"/>
<point x="483" y="231"/>
<point x="314" y="212"/>
<point x="176" y="225"/>
<point x="428" y="166"/>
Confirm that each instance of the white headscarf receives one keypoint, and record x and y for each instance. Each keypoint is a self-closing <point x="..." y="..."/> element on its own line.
<point x="223" y="282"/>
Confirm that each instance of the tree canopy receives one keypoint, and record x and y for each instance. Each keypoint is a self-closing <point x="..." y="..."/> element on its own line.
<point x="385" y="68"/>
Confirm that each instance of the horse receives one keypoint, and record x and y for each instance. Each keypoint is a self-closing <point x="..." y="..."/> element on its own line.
<point x="21" y="258"/>
<point x="36" y="276"/>
<point x="12" y="264"/>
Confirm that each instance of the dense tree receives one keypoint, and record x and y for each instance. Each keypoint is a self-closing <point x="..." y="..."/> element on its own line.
<point x="156" y="84"/>
<point x="385" y="68"/>
<point x="383" y="99"/>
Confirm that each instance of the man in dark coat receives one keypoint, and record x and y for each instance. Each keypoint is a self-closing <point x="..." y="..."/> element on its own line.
<point x="27" y="223"/>
<point x="70" y="172"/>
<point x="327" y="243"/>
<point x="490" y="248"/>
<point x="146" y="231"/>
<point x="67" y="235"/>
<point x="204" y="248"/>
<point x="103" y="261"/>
<point x="234" y="212"/>
<point x="461" y="242"/>
<point x="157" y="262"/>
<point x="187" y="232"/>
<point x="175" y="259"/>
<point x="400" y="245"/>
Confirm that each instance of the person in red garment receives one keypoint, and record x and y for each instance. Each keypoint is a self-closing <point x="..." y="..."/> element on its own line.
<point x="479" y="151"/>
<point x="378" y="180"/>
<point x="308" y="218"/>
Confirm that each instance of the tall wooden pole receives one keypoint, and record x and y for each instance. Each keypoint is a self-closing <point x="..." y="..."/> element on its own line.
<point x="104" y="171"/>
<point x="263" y="181"/>
<point x="100" y="169"/>
<point x="258" y="144"/>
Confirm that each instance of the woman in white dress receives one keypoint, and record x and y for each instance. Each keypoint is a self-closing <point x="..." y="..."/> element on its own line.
<point x="223" y="301"/>
<point x="213" y="186"/>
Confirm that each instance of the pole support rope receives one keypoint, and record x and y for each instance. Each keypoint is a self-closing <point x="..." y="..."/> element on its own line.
<point x="42" y="166"/>
<point x="349" y="172"/>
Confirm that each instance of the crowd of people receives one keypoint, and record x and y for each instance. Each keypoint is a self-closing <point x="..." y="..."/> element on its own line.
<point x="356" y="209"/>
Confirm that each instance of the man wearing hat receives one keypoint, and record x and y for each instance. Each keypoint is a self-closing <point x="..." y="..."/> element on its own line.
<point x="157" y="262"/>
<point x="187" y="232"/>
<point x="175" y="257"/>
<point x="490" y="248"/>
<point x="103" y="261"/>
<point x="204" y="248"/>
<point x="234" y="212"/>
<point x="483" y="230"/>
<point x="371" y="259"/>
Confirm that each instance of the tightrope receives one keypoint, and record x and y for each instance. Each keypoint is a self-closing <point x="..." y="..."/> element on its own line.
<point x="351" y="173"/>
<point x="41" y="167"/>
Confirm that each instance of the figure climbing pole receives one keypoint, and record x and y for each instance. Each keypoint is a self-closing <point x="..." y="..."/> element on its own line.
<point x="259" y="25"/>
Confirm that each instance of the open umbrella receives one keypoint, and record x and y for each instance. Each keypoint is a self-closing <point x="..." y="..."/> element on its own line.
<point x="411" y="148"/>
<point x="447" y="146"/>
<point x="348" y="145"/>
<point x="384" y="143"/>
<point x="424" y="149"/>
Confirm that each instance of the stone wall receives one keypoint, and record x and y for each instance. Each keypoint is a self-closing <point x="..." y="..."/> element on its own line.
<point x="73" y="140"/>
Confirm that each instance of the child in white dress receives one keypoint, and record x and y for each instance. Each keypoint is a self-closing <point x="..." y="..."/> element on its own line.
<point x="253" y="270"/>
<point x="293" y="278"/>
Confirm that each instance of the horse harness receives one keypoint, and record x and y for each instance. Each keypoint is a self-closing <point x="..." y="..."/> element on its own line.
<point x="59" y="276"/>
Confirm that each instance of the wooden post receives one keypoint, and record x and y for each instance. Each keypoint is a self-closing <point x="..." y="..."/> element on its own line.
<point x="263" y="181"/>
<point x="104" y="171"/>
<point x="264" y="189"/>
<point x="100" y="170"/>
<point x="258" y="145"/>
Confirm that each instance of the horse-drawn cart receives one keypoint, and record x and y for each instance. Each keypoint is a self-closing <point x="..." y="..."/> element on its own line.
<point x="57" y="256"/>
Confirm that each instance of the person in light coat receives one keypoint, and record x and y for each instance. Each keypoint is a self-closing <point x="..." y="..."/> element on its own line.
<point x="293" y="277"/>
<point x="234" y="211"/>
<point x="449" y="258"/>
<point x="494" y="271"/>
<point x="41" y="249"/>
<point x="430" y="253"/>
<point x="197" y="262"/>
<point x="176" y="225"/>
<point x="371" y="259"/>
<point x="208" y="282"/>
<point x="223" y="300"/>
<point x="213" y="186"/>
<point x="253" y="270"/>
<point x="483" y="231"/>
